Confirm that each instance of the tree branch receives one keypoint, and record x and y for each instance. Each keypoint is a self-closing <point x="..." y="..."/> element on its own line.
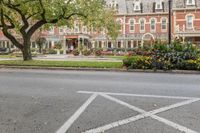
<point x="6" y="32"/>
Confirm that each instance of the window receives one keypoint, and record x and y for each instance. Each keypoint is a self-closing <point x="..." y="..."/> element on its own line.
<point x="159" y="5"/>
<point x="164" y="24"/>
<point x="190" y="2"/>
<point x="51" y="30"/>
<point x="76" y="27"/>
<point x="189" y="21"/>
<point x="142" y="25"/>
<point x="153" y="24"/>
<point x="137" y="6"/>
<point x="84" y="30"/>
<point x="132" y="25"/>
<point x="61" y="30"/>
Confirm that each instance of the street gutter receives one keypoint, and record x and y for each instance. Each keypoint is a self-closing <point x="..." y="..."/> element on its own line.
<point x="100" y="69"/>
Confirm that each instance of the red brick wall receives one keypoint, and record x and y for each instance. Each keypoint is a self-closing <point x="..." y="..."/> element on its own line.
<point x="181" y="18"/>
<point x="147" y="25"/>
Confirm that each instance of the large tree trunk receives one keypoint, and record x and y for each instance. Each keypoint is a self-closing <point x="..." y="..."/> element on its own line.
<point x="26" y="51"/>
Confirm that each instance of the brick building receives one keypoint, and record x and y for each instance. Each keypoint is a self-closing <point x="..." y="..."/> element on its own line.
<point x="142" y="22"/>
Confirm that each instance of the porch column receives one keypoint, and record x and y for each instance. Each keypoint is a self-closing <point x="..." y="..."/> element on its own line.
<point x="132" y="45"/>
<point x="79" y="41"/>
<point x="103" y="44"/>
<point x="122" y="44"/>
<point x="183" y="39"/>
<point x="64" y="46"/>
<point x="137" y="44"/>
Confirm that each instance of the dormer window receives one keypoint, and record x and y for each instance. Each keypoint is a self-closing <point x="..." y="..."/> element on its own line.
<point x="159" y="5"/>
<point x="190" y="2"/>
<point x="137" y="6"/>
<point x="113" y="4"/>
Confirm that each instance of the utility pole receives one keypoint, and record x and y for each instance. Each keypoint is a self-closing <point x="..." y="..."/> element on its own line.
<point x="170" y="23"/>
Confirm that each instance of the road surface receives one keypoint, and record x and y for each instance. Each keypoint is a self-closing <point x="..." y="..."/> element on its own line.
<point x="44" y="101"/>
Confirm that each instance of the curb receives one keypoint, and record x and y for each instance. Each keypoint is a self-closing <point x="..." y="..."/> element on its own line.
<point x="100" y="69"/>
<point x="64" y="68"/>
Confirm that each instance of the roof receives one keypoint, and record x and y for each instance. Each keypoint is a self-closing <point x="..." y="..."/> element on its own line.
<point x="127" y="6"/>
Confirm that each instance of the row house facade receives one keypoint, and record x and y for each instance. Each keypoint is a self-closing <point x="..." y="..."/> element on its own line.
<point x="142" y="22"/>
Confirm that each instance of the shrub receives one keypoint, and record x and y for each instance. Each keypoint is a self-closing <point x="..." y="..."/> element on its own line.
<point x="138" y="62"/>
<point x="76" y="52"/>
<point x="86" y="52"/>
<point x="98" y="52"/>
<point x="52" y="51"/>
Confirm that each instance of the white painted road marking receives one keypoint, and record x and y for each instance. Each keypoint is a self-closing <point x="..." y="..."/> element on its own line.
<point x="152" y="114"/>
<point x="137" y="95"/>
<point x="75" y="116"/>
<point x="144" y="115"/>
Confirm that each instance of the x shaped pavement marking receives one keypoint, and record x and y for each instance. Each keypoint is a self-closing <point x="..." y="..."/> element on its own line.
<point x="144" y="114"/>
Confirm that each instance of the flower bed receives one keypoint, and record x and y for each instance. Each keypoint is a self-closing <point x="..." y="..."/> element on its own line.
<point x="164" y="57"/>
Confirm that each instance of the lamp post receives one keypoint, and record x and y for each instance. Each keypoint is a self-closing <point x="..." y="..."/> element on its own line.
<point x="170" y="22"/>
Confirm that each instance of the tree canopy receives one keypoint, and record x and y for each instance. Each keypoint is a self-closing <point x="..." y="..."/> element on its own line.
<point x="22" y="18"/>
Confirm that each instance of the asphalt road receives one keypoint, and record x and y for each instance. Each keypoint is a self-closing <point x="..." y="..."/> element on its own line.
<point x="39" y="101"/>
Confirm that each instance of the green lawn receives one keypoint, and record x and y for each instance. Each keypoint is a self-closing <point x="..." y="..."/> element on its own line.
<point x="115" y="57"/>
<point x="7" y="56"/>
<point x="85" y="64"/>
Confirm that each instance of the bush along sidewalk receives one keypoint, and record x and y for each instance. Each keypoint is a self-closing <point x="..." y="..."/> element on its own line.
<point x="164" y="57"/>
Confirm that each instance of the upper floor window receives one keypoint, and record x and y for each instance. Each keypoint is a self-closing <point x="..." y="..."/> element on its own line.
<point x="131" y="25"/>
<point x="51" y="30"/>
<point x="189" y="21"/>
<point x="137" y="5"/>
<point x="62" y="30"/>
<point x="142" y="25"/>
<point x="159" y="5"/>
<point x="190" y="2"/>
<point x="153" y="24"/>
<point x="76" y="27"/>
<point x="84" y="29"/>
<point x="164" y="24"/>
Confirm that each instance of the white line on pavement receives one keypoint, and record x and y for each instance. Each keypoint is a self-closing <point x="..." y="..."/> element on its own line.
<point x="137" y="95"/>
<point x="144" y="115"/>
<point x="75" y="116"/>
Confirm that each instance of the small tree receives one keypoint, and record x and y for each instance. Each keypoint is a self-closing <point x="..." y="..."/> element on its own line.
<point x="41" y="41"/>
<point x="58" y="46"/>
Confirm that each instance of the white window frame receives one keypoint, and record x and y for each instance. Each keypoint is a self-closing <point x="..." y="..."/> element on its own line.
<point x="132" y="25"/>
<point x="137" y="6"/>
<point x="155" y="21"/>
<point x="84" y="29"/>
<point x="51" y="30"/>
<point x="187" y="22"/>
<point x="144" y="25"/>
<point x="190" y="4"/>
<point x="166" y="20"/>
<point x="159" y="3"/>
<point x="76" y="27"/>
<point x="61" y="32"/>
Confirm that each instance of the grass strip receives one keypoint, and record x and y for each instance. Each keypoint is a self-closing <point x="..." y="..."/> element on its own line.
<point x="83" y="64"/>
